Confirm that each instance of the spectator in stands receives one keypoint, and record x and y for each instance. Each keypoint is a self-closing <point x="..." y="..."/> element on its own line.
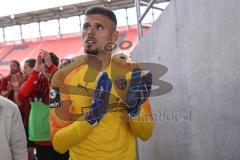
<point x="7" y="88"/>
<point x="64" y="62"/>
<point x="98" y="133"/>
<point x="36" y="87"/>
<point x="28" y="67"/>
<point x="24" y="106"/>
<point x="13" y="145"/>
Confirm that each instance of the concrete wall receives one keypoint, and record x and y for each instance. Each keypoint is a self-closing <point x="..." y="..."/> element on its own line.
<point x="199" y="42"/>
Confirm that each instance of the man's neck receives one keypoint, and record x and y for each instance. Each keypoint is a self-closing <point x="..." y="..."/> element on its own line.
<point x="100" y="62"/>
<point x="105" y="58"/>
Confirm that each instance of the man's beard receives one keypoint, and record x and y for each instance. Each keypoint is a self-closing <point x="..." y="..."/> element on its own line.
<point x="91" y="51"/>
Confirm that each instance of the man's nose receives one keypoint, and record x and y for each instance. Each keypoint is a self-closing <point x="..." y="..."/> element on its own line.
<point x="91" y="31"/>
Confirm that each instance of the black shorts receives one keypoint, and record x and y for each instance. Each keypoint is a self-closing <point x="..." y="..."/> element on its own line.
<point x="48" y="153"/>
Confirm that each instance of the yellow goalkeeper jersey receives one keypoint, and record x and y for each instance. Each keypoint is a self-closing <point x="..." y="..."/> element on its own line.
<point x="114" y="137"/>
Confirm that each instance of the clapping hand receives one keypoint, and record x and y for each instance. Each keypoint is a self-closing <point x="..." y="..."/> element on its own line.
<point x="100" y="100"/>
<point x="138" y="91"/>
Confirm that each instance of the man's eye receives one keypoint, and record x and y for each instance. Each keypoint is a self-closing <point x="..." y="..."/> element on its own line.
<point x="99" y="27"/>
<point x="86" y="27"/>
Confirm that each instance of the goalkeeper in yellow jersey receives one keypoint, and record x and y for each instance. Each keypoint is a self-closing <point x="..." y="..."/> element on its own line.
<point x="100" y="102"/>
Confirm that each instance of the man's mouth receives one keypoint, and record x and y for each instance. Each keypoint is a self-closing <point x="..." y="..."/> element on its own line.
<point x="90" y="41"/>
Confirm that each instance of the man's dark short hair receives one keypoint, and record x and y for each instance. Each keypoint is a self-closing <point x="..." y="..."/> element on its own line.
<point x="54" y="58"/>
<point x="31" y="62"/>
<point x="103" y="11"/>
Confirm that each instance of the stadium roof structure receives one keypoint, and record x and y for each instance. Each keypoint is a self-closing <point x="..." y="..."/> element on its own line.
<point x="66" y="11"/>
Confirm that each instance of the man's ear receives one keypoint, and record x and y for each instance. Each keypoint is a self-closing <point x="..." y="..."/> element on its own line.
<point x="115" y="36"/>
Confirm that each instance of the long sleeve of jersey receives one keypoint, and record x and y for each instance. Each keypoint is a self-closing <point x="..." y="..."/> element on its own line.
<point x="52" y="68"/>
<point x="142" y="124"/>
<point x="27" y="87"/>
<point x="65" y="134"/>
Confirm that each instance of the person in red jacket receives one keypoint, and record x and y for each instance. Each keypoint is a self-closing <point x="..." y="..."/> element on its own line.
<point x="7" y="89"/>
<point x="36" y="88"/>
